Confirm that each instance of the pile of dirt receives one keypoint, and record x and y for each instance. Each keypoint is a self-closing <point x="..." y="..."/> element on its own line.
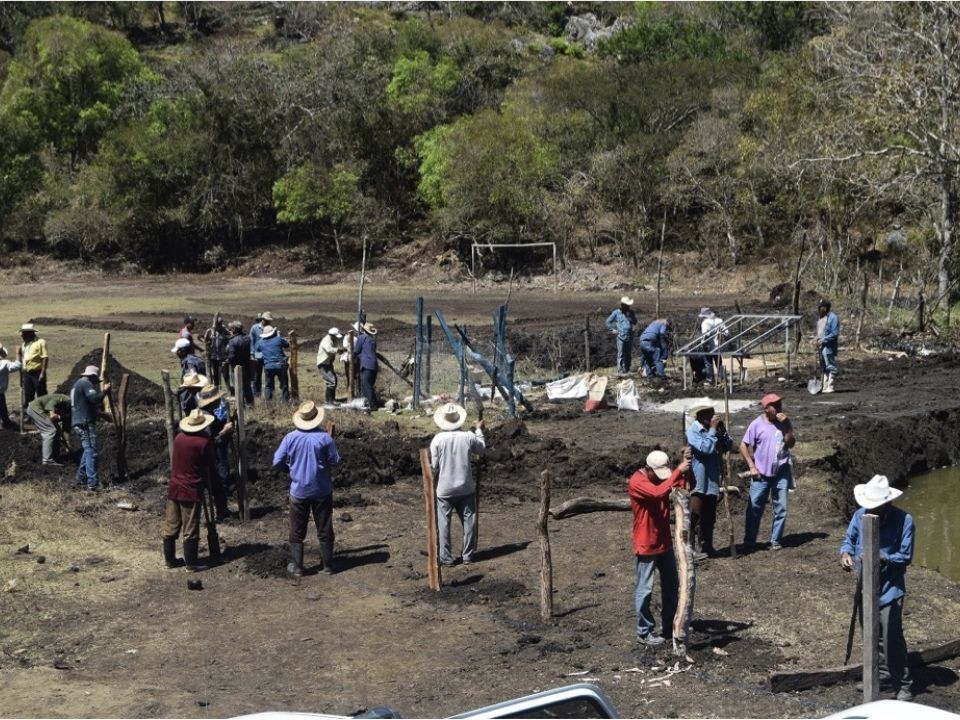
<point x="140" y="390"/>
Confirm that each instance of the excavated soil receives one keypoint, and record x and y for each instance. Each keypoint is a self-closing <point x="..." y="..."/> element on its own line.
<point x="100" y="629"/>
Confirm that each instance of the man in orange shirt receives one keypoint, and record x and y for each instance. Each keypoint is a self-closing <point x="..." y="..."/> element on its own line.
<point x="649" y="489"/>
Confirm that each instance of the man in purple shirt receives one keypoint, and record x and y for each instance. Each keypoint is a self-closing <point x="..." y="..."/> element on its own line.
<point x="766" y="449"/>
<point x="309" y="452"/>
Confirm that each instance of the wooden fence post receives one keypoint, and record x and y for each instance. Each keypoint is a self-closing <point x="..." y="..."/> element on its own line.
<point x="418" y="356"/>
<point x="351" y="387"/>
<point x="294" y="378"/>
<point x="586" y="343"/>
<point x="241" y="451"/>
<point x="546" y="560"/>
<point x="104" y="372"/>
<point x="871" y="607"/>
<point x="121" y="416"/>
<point x="429" y="354"/>
<point x="430" y="506"/>
<point x="168" y="419"/>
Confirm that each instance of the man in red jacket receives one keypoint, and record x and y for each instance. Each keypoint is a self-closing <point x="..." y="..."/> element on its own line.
<point x="649" y="489"/>
<point x="193" y="461"/>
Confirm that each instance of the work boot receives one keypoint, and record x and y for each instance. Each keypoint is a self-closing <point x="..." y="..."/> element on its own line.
<point x="295" y="566"/>
<point x="828" y="383"/>
<point x="190" y="550"/>
<point x="326" y="552"/>
<point x="170" y="558"/>
<point x="331" y="396"/>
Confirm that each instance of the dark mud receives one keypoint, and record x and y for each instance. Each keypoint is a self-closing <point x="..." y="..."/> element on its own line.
<point x="140" y="390"/>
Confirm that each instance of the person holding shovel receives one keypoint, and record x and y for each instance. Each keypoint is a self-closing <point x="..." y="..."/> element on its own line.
<point x="6" y="367"/>
<point x="828" y="342"/>
<point x="450" y="452"/>
<point x="309" y="452"/>
<point x="621" y="323"/>
<point x="708" y="440"/>
<point x="330" y="349"/>
<point x="193" y="463"/>
<point x="50" y="413"/>
<point x="85" y="400"/>
<point x="766" y="449"/>
<point x="655" y="348"/>
<point x="896" y="531"/>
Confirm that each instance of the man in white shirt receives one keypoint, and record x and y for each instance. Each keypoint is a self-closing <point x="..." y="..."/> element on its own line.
<point x="326" y="356"/>
<point x="710" y="323"/>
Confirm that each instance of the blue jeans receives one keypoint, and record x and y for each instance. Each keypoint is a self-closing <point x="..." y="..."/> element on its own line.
<point x="666" y="565"/>
<point x="828" y="359"/>
<point x="87" y="470"/>
<point x="269" y="374"/>
<point x="624" y="354"/>
<point x="368" y="384"/>
<point x="777" y="488"/>
<point x="652" y="357"/>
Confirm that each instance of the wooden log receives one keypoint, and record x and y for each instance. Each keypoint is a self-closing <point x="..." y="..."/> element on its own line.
<point x="418" y="356"/>
<point x="804" y="679"/>
<point x="871" y="607"/>
<point x="430" y="507"/>
<point x="546" y="560"/>
<point x="728" y="462"/>
<point x="351" y="386"/>
<point x="294" y="377"/>
<point x="168" y="418"/>
<point x="242" y="500"/>
<point x="580" y="505"/>
<point x="104" y="372"/>
<point x="683" y="544"/>
<point x="586" y="343"/>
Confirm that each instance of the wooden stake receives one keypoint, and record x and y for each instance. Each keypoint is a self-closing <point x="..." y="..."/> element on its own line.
<point x="663" y="232"/>
<point x="429" y="355"/>
<point x="294" y="378"/>
<point x="351" y="387"/>
<point x="121" y="426"/>
<point x="104" y="375"/>
<point x="241" y="451"/>
<point x="730" y="478"/>
<point x="546" y="559"/>
<point x="871" y="607"/>
<point x="430" y="506"/>
<point x="418" y="356"/>
<point x="168" y="419"/>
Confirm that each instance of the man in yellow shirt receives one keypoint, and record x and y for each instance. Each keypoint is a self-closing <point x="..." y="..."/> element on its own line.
<point x="33" y="355"/>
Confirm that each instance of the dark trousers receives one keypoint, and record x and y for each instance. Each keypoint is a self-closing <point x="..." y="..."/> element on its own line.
<point x="368" y="381"/>
<point x="280" y="374"/>
<point x="329" y="377"/>
<point x="33" y="386"/>
<point x="703" y="516"/>
<point x="245" y="382"/>
<point x="894" y="668"/>
<point x="256" y="382"/>
<point x="4" y="413"/>
<point x="322" y="511"/>
<point x="213" y="366"/>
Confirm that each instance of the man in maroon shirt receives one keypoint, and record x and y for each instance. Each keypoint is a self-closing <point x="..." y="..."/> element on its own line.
<point x="193" y="461"/>
<point x="649" y="489"/>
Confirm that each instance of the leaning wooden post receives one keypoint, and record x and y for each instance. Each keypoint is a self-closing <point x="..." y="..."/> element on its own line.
<point x="104" y="367"/>
<point x="546" y="561"/>
<point x="430" y="506"/>
<point x="241" y="452"/>
<point x="168" y="419"/>
<point x="428" y="363"/>
<point x="871" y="608"/>
<point x="418" y="356"/>
<point x="294" y="378"/>
<point x="121" y="426"/>
<point x="728" y="461"/>
<point x="351" y="387"/>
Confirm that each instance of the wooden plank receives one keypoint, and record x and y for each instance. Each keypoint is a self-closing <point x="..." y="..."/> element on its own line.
<point x="871" y="608"/>
<point x="294" y="377"/>
<point x="546" y="558"/>
<point x="728" y="464"/>
<point x="241" y="452"/>
<point x="168" y="418"/>
<point x="430" y="506"/>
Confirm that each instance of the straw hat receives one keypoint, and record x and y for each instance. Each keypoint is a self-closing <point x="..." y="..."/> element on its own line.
<point x="196" y="421"/>
<point x="208" y="395"/>
<point x="193" y="381"/>
<point x="699" y="408"/>
<point x="626" y="300"/>
<point x="706" y="312"/>
<point x="267" y="317"/>
<point x="875" y="492"/>
<point x="369" y="328"/>
<point x="268" y="332"/>
<point x="308" y="416"/>
<point x="659" y="463"/>
<point x="450" y="416"/>
<point x="91" y="371"/>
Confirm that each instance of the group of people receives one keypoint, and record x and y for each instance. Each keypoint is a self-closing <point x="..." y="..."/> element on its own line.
<point x="655" y="341"/>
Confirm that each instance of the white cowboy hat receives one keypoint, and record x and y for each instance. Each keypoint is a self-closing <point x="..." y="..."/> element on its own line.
<point x="626" y="300"/>
<point x="268" y="332"/>
<point x="308" y="416"/>
<point x="370" y="329"/>
<point x="659" y="463"/>
<point x="181" y="344"/>
<point x="695" y="410"/>
<point x="27" y="327"/>
<point x="875" y="492"/>
<point x="196" y="421"/>
<point x="91" y="371"/>
<point x="335" y="332"/>
<point x="194" y="381"/>
<point x="450" y="416"/>
<point x="706" y="312"/>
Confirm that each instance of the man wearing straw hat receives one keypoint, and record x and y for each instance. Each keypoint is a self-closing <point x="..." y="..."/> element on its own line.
<point x="621" y="323"/>
<point x="210" y="400"/>
<point x="327" y="354"/>
<point x="365" y="352"/>
<point x="193" y="461"/>
<point x="6" y="367"/>
<point x="456" y="489"/>
<point x="708" y="440"/>
<point x="896" y="532"/>
<point x="256" y="358"/>
<point x="309" y="452"/>
<point x="191" y="384"/>
<point x="712" y="327"/>
<point x="271" y="347"/>
<point x="32" y="353"/>
<point x="85" y="401"/>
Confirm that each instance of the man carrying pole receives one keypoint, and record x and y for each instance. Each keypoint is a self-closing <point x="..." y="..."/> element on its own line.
<point x="708" y="439"/>
<point x="896" y="553"/>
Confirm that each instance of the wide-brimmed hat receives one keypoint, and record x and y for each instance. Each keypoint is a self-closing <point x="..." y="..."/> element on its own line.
<point x="369" y="328"/>
<point x="91" y="371"/>
<point x="449" y="416"/>
<point x="308" y="416"/>
<point x="695" y="410"/>
<point x="659" y="463"/>
<point x="181" y="344"/>
<point x="268" y="316"/>
<point x="769" y="399"/>
<point x="626" y="300"/>
<point x="335" y="332"/>
<point x="194" y="381"/>
<point x="196" y="421"/>
<point x="706" y="312"/>
<point x="208" y="395"/>
<point x="875" y="492"/>
<point x="355" y="326"/>
<point x="268" y="332"/>
<point x="27" y="327"/>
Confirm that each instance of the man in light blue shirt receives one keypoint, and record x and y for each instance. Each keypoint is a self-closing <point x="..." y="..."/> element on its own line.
<point x="708" y="439"/>
<point x="655" y="348"/>
<point x="621" y="323"/>
<point x="896" y="553"/>
<point x="828" y="343"/>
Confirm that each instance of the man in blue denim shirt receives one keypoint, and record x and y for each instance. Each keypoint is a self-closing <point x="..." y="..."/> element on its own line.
<point x="896" y="552"/>
<point x="655" y="347"/>
<point x="828" y="340"/>
<point x="621" y="323"/>
<point x="271" y="347"/>
<point x="708" y="439"/>
<point x="85" y="401"/>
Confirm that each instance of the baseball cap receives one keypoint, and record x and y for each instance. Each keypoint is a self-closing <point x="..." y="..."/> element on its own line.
<point x="659" y="463"/>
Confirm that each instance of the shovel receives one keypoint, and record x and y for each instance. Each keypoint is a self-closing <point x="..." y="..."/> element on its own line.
<point x="815" y="384"/>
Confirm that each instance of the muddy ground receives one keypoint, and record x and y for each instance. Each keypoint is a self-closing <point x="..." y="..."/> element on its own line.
<point x="99" y="629"/>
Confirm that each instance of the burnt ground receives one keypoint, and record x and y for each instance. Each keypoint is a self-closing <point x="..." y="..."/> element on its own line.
<point x="100" y="629"/>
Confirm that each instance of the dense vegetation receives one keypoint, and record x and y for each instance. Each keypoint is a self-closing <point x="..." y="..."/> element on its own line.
<point x="167" y="134"/>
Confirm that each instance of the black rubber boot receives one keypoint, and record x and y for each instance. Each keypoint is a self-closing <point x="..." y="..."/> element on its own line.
<point x="190" y="549"/>
<point x="295" y="566"/>
<point x="170" y="558"/>
<point x="331" y="395"/>
<point x="326" y="552"/>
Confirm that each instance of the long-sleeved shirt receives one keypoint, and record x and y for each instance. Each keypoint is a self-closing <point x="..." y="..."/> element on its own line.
<point x="650" y="503"/>
<point x="255" y="332"/>
<point x="657" y="333"/>
<point x="450" y="459"/>
<point x="193" y="460"/>
<point x="7" y="367"/>
<point x="271" y="350"/>
<point x="192" y="363"/>
<point x="238" y="350"/>
<point x="896" y="549"/>
<point x="327" y="351"/>
<point x="707" y="444"/>
<point x="365" y="350"/>
<point x="84" y="400"/>
<point x="623" y="322"/>
<point x="52" y="403"/>
<point x="715" y="326"/>
<point x="830" y="334"/>
<point x="309" y="455"/>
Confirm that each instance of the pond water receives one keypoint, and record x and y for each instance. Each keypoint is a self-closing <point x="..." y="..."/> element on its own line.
<point x="934" y="502"/>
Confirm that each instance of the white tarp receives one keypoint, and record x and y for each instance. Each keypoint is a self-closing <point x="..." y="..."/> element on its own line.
<point x="627" y="396"/>
<point x="569" y="388"/>
<point x="681" y="405"/>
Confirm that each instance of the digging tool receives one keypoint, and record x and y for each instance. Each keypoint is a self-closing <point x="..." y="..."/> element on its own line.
<point x="857" y="599"/>
<point x="213" y="540"/>
<point x="815" y="384"/>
